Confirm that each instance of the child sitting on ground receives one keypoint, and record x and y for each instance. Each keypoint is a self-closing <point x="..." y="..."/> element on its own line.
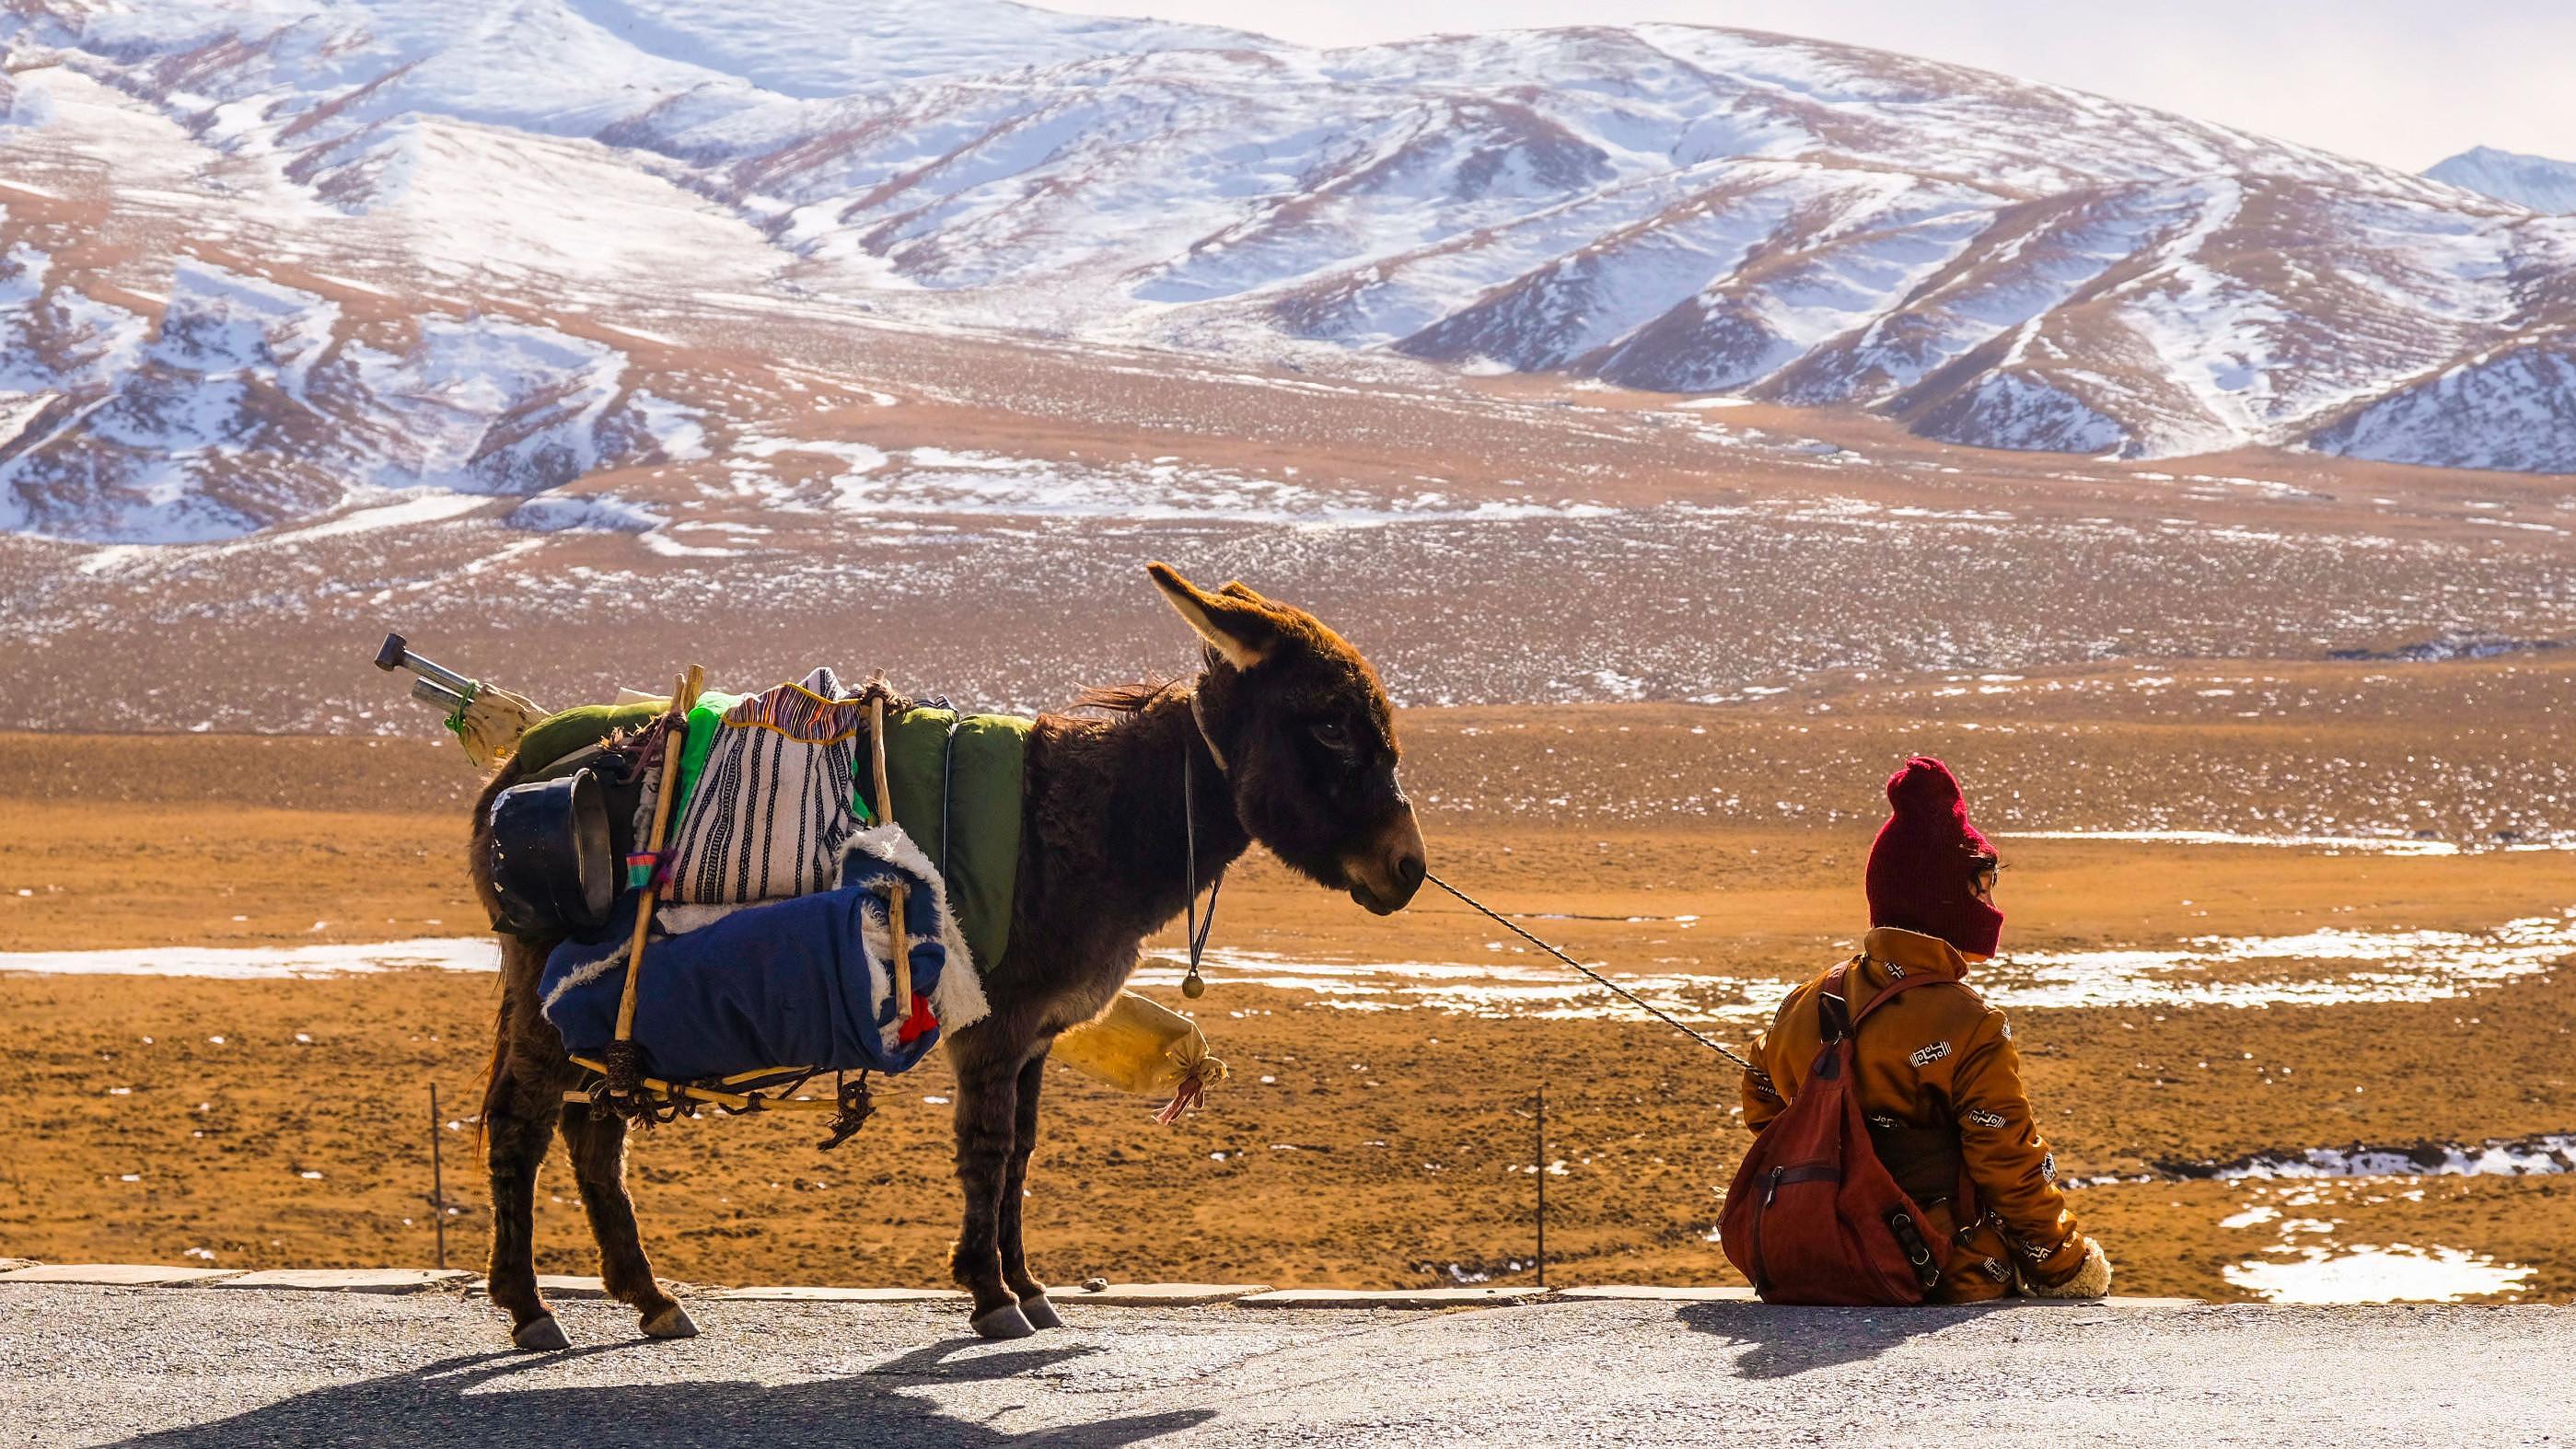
<point x="1936" y="1074"/>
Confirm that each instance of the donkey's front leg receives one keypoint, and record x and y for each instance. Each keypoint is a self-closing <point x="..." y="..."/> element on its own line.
<point x="1024" y="1138"/>
<point x="596" y="1141"/>
<point x="987" y="1126"/>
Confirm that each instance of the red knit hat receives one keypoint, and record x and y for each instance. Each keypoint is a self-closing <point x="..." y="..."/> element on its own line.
<point x="1920" y="867"/>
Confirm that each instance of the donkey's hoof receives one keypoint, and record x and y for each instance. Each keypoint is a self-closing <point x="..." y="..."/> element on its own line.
<point x="1039" y="1312"/>
<point x="540" y="1335"/>
<point x="1006" y="1321"/>
<point x="671" y="1322"/>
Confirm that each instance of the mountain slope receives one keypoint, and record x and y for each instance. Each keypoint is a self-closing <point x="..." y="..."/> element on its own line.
<point x="1675" y="208"/>
<point x="2533" y="181"/>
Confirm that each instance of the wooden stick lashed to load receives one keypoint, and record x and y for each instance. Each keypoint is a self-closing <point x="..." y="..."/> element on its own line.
<point x="895" y="892"/>
<point x="624" y="1063"/>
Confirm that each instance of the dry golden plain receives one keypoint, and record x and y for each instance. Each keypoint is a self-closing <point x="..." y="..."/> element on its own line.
<point x="1385" y="1138"/>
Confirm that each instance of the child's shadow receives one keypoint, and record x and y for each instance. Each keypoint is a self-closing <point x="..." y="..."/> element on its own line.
<point x="1783" y="1341"/>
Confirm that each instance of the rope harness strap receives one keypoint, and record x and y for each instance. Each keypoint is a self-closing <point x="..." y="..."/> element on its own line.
<point x="1191" y="985"/>
<point x="1633" y="999"/>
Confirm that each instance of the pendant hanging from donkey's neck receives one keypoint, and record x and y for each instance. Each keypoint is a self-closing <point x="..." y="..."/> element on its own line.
<point x="1192" y="985"/>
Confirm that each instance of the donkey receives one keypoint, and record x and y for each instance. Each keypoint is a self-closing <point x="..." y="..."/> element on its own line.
<point x="1288" y="739"/>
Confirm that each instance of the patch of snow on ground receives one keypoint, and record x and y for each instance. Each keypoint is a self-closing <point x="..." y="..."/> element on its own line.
<point x="260" y="963"/>
<point x="424" y="508"/>
<point x="937" y="481"/>
<point x="569" y="513"/>
<point x="2375" y="966"/>
<point x="2397" y="1273"/>
<point x="857" y="461"/>
<point x="1493" y="990"/>
<point x="2332" y="844"/>
<point x="2545" y="1156"/>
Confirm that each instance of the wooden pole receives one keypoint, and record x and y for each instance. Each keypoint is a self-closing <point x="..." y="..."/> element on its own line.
<point x="437" y="1178"/>
<point x="1542" y="1183"/>
<point x="895" y="941"/>
<point x="684" y="694"/>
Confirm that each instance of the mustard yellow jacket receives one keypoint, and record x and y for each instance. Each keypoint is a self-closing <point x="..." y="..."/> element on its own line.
<point x="1932" y="1063"/>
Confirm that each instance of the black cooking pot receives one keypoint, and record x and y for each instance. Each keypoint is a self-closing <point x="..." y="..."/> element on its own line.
<point x="554" y="860"/>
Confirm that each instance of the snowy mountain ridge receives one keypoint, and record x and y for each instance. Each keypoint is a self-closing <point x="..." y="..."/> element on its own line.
<point x="1685" y="209"/>
<point x="2538" y="182"/>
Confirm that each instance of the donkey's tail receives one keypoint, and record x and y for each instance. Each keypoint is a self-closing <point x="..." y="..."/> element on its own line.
<point x="496" y="1074"/>
<point x="478" y="858"/>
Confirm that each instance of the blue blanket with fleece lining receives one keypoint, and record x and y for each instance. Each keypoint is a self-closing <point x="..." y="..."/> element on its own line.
<point x="801" y="982"/>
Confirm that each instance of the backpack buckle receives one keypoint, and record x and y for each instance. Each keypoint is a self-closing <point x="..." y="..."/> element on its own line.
<point x="1918" y="1250"/>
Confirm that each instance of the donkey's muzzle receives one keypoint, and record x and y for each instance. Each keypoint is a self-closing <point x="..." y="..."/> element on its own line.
<point x="1383" y="879"/>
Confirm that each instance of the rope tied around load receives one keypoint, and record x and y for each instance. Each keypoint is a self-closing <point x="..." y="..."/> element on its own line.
<point x="853" y="1104"/>
<point x="1633" y="998"/>
<point x="465" y="698"/>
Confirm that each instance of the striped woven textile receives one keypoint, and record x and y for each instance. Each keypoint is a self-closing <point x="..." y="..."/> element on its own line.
<point x="771" y="810"/>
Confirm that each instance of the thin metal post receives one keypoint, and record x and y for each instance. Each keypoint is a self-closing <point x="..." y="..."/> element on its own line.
<point x="437" y="1178"/>
<point x="1542" y="1184"/>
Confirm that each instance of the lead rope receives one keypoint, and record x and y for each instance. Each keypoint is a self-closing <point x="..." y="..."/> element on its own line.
<point x="1632" y="997"/>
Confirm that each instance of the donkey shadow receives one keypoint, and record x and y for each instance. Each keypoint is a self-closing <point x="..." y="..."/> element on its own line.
<point x="467" y="1400"/>
<point x="1784" y="1341"/>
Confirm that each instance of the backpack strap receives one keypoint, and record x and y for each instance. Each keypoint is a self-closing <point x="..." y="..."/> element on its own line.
<point x="1833" y="1008"/>
<point x="1895" y="989"/>
<point x="1835" y="1018"/>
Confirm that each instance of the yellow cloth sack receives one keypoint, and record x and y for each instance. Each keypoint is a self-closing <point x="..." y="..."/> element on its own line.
<point x="1141" y="1046"/>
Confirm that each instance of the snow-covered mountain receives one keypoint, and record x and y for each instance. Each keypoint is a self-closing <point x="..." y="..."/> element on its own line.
<point x="2537" y="182"/>
<point x="249" y="403"/>
<point x="1686" y="209"/>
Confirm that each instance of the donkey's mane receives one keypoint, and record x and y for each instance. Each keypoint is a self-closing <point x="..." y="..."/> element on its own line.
<point x="1134" y="697"/>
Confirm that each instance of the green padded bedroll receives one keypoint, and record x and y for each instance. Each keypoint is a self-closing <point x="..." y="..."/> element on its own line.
<point x="561" y="733"/>
<point x="957" y="783"/>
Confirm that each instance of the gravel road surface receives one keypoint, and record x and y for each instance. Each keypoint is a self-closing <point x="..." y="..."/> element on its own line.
<point x="195" y="1366"/>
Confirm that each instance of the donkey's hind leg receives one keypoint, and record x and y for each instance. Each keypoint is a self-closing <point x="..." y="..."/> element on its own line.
<point x="520" y="1104"/>
<point x="597" y="1143"/>
<point x="518" y="1125"/>
<point x="1015" y="1262"/>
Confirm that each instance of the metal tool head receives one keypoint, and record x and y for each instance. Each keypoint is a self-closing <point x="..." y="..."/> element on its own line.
<point x="395" y="653"/>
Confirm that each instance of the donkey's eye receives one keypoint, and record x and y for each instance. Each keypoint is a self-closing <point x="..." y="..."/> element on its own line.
<point x="1331" y="735"/>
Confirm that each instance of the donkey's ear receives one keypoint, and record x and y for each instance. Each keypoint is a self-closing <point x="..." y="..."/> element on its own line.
<point x="1237" y="628"/>
<point x="1238" y="589"/>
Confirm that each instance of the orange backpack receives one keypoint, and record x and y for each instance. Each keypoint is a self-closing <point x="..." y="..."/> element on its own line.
<point x="1813" y="1216"/>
